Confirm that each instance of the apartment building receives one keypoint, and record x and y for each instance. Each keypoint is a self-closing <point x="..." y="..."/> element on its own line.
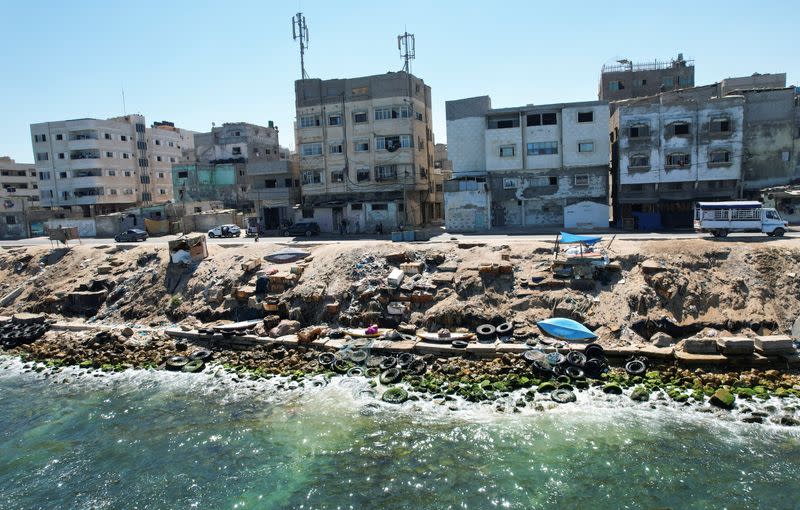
<point x="103" y="166"/>
<point x="626" y="79"/>
<point x="528" y="166"/>
<point x="165" y="144"/>
<point x="671" y="150"/>
<point x="19" y="180"/>
<point x="366" y="152"/>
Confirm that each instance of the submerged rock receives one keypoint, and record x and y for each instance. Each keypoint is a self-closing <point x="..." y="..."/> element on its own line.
<point x="640" y="394"/>
<point x="723" y="398"/>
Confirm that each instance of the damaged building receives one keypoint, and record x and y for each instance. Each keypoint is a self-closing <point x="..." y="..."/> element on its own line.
<point x="627" y="80"/>
<point x="366" y="152"/>
<point x="529" y="166"/>
<point x="671" y="150"/>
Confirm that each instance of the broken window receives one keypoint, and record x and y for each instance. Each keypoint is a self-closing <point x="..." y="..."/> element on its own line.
<point x="585" y="146"/>
<point x="386" y="173"/>
<point x="311" y="149"/>
<point x="312" y="177"/>
<point x="616" y="85"/>
<point x="586" y="116"/>
<point x="359" y="117"/>
<point x="680" y="128"/>
<point x="507" y="151"/>
<point x="335" y="120"/>
<point x="639" y="82"/>
<point x="362" y="174"/>
<point x="335" y="148"/>
<point x="60" y="155"/>
<point x="307" y="121"/>
<point x="361" y="145"/>
<point x="392" y="112"/>
<point x="639" y="161"/>
<point x="337" y="176"/>
<point x="582" y="180"/>
<point x="236" y="151"/>
<point x="270" y="183"/>
<point x="542" y="148"/>
<point x="287" y="183"/>
<point x="59" y="137"/>
<point x="720" y="125"/>
<point x="552" y="181"/>
<point x="719" y="157"/>
<point x="379" y="207"/>
<point x="542" y="119"/>
<point x="678" y="159"/>
<point x="503" y="121"/>
<point x="639" y="131"/>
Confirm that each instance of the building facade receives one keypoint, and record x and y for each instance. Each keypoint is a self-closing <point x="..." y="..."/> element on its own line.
<point x="165" y="145"/>
<point x="541" y="165"/>
<point x="627" y="80"/>
<point x="103" y="166"/>
<point x="19" y="180"/>
<point x="671" y="150"/>
<point x="366" y="151"/>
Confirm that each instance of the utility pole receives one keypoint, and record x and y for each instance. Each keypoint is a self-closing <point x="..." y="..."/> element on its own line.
<point x="406" y="45"/>
<point x="300" y="32"/>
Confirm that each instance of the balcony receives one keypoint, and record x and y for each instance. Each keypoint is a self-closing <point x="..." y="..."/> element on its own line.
<point x="84" y="154"/>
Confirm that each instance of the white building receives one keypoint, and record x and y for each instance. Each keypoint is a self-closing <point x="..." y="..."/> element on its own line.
<point x="105" y="166"/>
<point x="535" y="165"/>
<point x="366" y="149"/>
<point x="672" y="150"/>
<point x="19" y="180"/>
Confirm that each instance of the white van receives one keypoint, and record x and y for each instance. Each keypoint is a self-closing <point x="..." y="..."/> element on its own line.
<point x="720" y="218"/>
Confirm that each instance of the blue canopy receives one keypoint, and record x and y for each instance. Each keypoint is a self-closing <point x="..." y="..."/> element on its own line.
<point x="567" y="238"/>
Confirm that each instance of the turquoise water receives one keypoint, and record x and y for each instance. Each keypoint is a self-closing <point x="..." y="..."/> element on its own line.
<point x="146" y="440"/>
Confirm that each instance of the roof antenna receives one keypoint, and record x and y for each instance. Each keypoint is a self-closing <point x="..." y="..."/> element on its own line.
<point x="124" y="110"/>
<point x="406" y="45"/>
<point x="300" y="31"/>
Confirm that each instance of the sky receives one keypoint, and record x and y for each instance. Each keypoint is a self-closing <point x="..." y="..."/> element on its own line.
<point x="198" y="62"/>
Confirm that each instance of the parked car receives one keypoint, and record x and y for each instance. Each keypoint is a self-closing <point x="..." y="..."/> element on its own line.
<point x="131" y="235"/>
<point x="306" y="228"/>
<point x="225" y="231"/>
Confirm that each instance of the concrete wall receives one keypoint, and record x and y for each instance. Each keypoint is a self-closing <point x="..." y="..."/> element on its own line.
<point x="86" y="227"/>
<point x="574" y="132"/>
<point x="466" y="210"/>
<point x="770" y="131"/>
<point x="586" y="215"/>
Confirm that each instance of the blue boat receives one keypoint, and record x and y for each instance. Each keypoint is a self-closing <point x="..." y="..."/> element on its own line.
<point x="566" y="329"/>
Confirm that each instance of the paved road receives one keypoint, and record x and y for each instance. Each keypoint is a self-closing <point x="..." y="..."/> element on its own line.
<point x="495" y="238"/>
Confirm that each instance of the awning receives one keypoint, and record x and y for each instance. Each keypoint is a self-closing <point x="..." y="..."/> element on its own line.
<point x="567" y="238"/>
<point x="730" y="205"/>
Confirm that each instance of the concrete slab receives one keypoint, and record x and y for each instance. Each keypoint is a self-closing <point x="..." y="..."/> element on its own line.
<point x="335" y="343"/>
<point x="402" y="346"/>
<point x="650" y="351"/>
<point x="792" y="360"/>
<point x="688" y="358"/>
<point x="735" y="345"/>
<point x="700" y="345"/>
<point x="774" y="344"/>
<point x="320" y="342"/>
<point x="438" y="349"/>
<point x="749" y="360"/>
<point x="482" y="350"/>
<point x="511" y="348"/>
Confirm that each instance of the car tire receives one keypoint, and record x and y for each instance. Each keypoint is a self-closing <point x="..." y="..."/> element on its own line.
<point x="778" y="232"/>
<point x="308" y="233"/>
<point x="286" y="233"/>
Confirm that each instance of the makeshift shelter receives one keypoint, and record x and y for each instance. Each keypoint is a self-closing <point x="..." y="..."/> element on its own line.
<point x="188" y="249"/>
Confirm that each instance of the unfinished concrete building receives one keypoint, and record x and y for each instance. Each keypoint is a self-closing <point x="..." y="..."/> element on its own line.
<point x="366" y="152"/>
<point x="626" y="79"/>
<point x="19" y="180"/>
<point x="535" y="165"/>
<point x="671" y="150"/>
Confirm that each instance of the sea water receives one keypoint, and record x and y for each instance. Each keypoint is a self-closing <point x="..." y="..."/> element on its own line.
<point x="151" y="440"/>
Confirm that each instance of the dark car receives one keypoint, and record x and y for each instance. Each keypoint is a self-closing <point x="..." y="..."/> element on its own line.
<point x="305" y="228"/>
<point x="131" y="235"/>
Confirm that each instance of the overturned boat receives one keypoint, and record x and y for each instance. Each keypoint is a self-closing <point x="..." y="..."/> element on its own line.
<point x="566" y="329"/>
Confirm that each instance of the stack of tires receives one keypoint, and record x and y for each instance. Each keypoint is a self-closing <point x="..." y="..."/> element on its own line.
<point x="22" y="332"/>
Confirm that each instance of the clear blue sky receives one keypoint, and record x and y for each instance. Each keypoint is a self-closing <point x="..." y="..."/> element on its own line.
<point x="200" y="62"/>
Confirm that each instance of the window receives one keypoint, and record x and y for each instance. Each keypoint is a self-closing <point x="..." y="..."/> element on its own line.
<point x="112" y="173"/>
<point x="112" y="191"/>
<point x="678" y="159"/>
<point x="61" y="155"/>
<point x="143" y="162"/>
<point x="585" y="146"/>
<point x="586" y="116"/>
<point x="509" y="183"/>
<point x="720" y="125"/>
<point x="503" y="121"/>
<point x="62" y="175"/>
<point x="419" y="116"/>
<point x="423" y="172"/>
<point x="719" y="157"/>
<point x="142" y="146"/>
<point x="507" y="151"/>
<point x="616" y="85"/>
<point x="11" y="220"/>
<point x="109" y="154"/>
<point x="146" y="197"/>
<point x="685" y="81"/>
<point x="552" y="181"/>
<point x="356" y="207"/>
<point x="237" y="133"/>
<point x="386" y="173"/>
<point x="639" y="82"/>
<point x="125" y="155"/>
<point x="287" y="183"/>
<point x="393" y="112"/>
<point x="335" y="148"/>
<point x="236" y="151"/>
<point x="183" y="175"/>
<point x="158" y="142"/>
<point x="362" y="174"/>
<point x="667" y="81"/>
<point x="171" y="144"/>
<point x="145" y="179"/>
<point x="158" y="158"/>
<point x="107" y="136"/>
<point x="392" y="143"/>
<point x="383" y="113"/>
<point x="639" y="161"/>
<point x="542" y="119"/>
<point x="639" y="131"/>
<point x="680" y="128"/>
<point x="359" y="117"/>
<point x="542" y="148"/>
<point x="337" y="176"/>
<point x="379" y="207"/>
<point x="307" y="121"/>
<point x="160" y="175"/>
<point x="360" y="91"/>
<point x="44" y="176"/>
<point x="312" y="177"/>
<point x="42" y="156"/>
<point x="361" y="145"/>
<point x="140" y="128"/>
<point x="335" y="120"/>
<point x="582" y="180"/>
<point x="127" y="173"/>
<point x="308" y="214"/>
<point x="311" y="149"/>
<point x="172" y="159"/>
<point x="59" y="137"/>
<point x="270" y="183"/>
<point x="123" y="138"/>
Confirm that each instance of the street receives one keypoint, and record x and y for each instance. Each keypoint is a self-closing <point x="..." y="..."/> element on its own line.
<point x="360" y="240"/>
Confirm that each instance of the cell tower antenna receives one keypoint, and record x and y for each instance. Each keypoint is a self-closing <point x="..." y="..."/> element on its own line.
<point x="406" y="45"/>
<point x="300" y="32"/>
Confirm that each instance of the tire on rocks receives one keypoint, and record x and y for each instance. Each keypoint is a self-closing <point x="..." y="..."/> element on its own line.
<point x="562" y="395"/>
<point x="388" y="362"/>
<point x="358" y="356"/>
<point x="574" y="372"/>
<point x="459" y="344"/>
<point x="405" y="359"/>
<point x="395" y="395"/>
<point x="390" y="376"/>
<point x="485" y="331"/>
<point x="576" y="358"/>
<point x="635" y="367"/>
<point x="594" y="351"/>
<point x="504" y="329"/>
<point x="341" y="366"/>
<point x="418" y="367"/>
<point x="326" y="359"/>
<point x="193" y="366"/>
<point x="176" y="362"/>
<point x="355" y="372"/>
<point x="201" y="354"/>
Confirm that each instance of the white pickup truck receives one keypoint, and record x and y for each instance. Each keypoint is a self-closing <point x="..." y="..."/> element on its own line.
<point x="720" y="218"/>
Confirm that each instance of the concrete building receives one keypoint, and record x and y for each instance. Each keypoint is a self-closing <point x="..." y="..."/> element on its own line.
<point x="541" y="165"/>
<point x="19" y="180"/>
<point x="671" y="150"/>
<point x="13" y="216"/>
<point x="103" y="166"/>
<point x="165" y="145"/>
<point x="627" y="80"/>
<point x="366" y="151"/>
